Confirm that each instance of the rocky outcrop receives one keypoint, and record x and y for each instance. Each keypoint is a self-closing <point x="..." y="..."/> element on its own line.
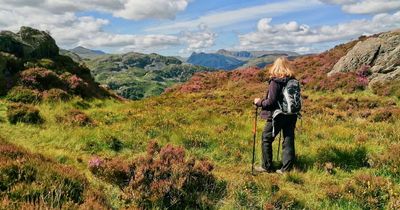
<point x="28" y="43"/>
<point x="381" y="53"/>
<point x="30" y="59"/>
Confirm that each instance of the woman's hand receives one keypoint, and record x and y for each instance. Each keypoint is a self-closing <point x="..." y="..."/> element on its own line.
<point x="257" y="100"/>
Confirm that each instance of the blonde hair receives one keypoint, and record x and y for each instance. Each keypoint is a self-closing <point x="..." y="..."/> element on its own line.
<point x="281" y="68"/>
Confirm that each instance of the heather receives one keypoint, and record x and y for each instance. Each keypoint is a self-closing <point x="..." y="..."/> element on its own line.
<point x="191" y="146"/>
<point x="356" y="144"/>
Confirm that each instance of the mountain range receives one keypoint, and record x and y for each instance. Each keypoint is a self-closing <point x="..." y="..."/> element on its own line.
<point x="86" y="53"/>
<point x="229" y="60"/>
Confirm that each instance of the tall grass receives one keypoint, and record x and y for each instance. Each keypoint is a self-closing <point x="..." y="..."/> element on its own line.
<point x="216" y="125"/>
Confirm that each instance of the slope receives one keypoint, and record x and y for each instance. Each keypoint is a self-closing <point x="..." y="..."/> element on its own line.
<point x="347" y="143"/>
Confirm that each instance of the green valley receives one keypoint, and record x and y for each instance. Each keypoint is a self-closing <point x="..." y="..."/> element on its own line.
<point x="136" y="75"/>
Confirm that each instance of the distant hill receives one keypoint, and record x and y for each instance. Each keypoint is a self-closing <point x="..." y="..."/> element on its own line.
<point x="86" y="53"/>
<point x="214" y="60"/>
<point x="75" y="57"/>
<point x="136" y="75"/>
<point x="183" y="59"/>
<point x="248" y="55"/>
<point x="229" y="60"/>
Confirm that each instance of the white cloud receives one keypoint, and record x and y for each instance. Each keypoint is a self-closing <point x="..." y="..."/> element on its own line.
<point x="199" y="40"/>
<point x="295" y="36"/>
<point x="366" y="6"/>
<point x="160" y="9"/>
<point x="142" y="43"/>
<point x="338" y="1"/>
<point x="128" y="9"/>
<point x="60" y="19"/>
<point x="225" y="18"/>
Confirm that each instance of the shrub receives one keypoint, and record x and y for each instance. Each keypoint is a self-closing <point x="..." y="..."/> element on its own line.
<point x="348" y="82"/>
<point x="34" y="182"/>
<point x="76" y="117"/>
<point x="386" y="88"/>
<point x="163" y="179"/>
<point x="18" y="112"/>
<point x="76" y="84"/>
<point x="284" y="200"/>
<point x="388" y="160"/>
<point x="371" y="192"/>
<point x="334" y="192"/>
<point x="56" y="94"/>
<point x="23" y="95"/>
<point x="115" y="171"/>
<point x="385" y="115"/>
<point x="40" y="78"/>
<point x="173" y="182"/>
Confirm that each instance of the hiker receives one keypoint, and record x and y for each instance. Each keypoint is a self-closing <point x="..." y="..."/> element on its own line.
<point x="278" y="118"/>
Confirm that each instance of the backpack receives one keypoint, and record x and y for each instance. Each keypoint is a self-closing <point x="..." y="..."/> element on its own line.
<point x="291" y="103"/>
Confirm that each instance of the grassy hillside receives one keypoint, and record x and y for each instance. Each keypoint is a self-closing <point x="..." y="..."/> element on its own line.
<point x="347" y="144"/>
<point x="347" y="147"/>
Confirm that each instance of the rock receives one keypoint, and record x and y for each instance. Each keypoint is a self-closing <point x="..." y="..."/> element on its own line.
<point x="9" y="65"/>
<point x="381" y="52"/>
<point x="384" y="78"/>
<point x="28" y="43"/>
<point x="9" y="43"/>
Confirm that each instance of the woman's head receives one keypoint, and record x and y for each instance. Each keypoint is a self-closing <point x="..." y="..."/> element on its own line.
<point x="281" y="68"/>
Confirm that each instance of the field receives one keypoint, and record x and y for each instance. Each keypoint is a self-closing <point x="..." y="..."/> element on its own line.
<point x="66" y="143"/>
<point x="347" y="144"/>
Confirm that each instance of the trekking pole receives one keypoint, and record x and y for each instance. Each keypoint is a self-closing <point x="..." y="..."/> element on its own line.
<point x="254" y="140"/>
<point x="279" y="145"/>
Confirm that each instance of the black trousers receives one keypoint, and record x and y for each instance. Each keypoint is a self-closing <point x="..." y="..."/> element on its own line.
<point x="286" y="123"/>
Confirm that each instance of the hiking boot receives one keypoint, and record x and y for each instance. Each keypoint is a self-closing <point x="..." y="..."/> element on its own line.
<point x="261" y="169"/>
<point x="280" y="171"/>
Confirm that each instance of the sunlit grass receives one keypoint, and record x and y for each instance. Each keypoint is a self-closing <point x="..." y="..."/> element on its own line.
<point x="216" y="125"/>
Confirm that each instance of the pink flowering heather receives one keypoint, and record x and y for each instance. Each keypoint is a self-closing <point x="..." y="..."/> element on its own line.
<point x="95" y="162"/>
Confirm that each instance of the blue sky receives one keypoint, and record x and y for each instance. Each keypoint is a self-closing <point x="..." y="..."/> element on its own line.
<point x="180" y="27"/>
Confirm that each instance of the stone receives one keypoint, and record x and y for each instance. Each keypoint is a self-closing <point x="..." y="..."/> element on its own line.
<point x="28" y="43"/>
<point x="381" y="52"/>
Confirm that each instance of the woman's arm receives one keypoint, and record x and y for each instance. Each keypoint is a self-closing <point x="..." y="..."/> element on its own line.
<point x="270" y="101"/>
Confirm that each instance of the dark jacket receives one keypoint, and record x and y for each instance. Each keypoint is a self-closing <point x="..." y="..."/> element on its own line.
<point x="274" y="94"/>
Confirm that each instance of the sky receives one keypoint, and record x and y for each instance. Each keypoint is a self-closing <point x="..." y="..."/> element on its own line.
<point x="181" y="27"/>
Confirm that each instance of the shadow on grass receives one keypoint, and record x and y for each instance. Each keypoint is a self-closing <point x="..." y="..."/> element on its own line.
<point x="304" y="162"/>
<point x="345" y="158"/>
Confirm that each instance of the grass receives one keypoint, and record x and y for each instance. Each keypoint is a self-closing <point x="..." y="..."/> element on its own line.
<point x="219" y="129"/>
